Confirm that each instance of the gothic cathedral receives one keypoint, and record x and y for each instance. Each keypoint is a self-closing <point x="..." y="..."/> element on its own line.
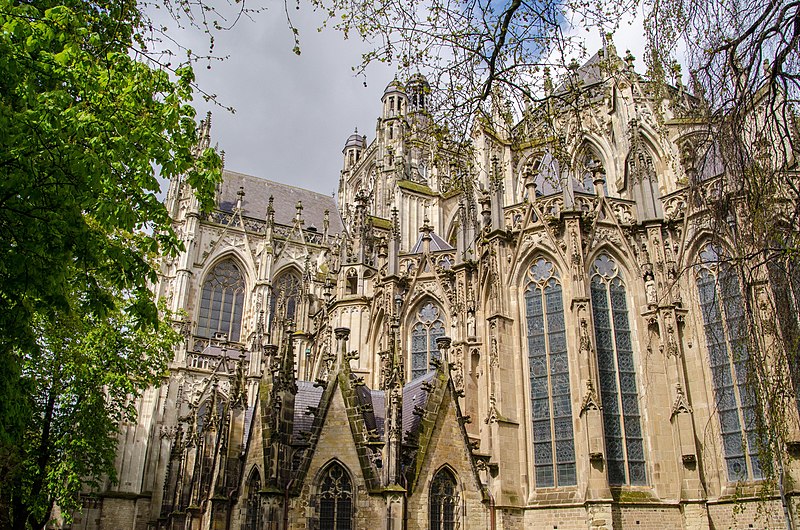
<point x="533" y="331"/>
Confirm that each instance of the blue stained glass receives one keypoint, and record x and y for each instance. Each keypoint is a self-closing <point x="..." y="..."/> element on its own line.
<point x="540" y="409"/>
<point x="551" y="410"/>
<point x="423" y="339"/>
<point x="618" y="390"/>
<point x="726" y="337"/>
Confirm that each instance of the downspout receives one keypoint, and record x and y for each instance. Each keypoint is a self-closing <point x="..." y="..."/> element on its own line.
<point x="492" y="510"/>
<point x="286" y="504"/>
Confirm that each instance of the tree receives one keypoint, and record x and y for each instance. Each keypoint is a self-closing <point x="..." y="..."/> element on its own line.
<point x="84" y="124"/>
<point x="743" y="57"/>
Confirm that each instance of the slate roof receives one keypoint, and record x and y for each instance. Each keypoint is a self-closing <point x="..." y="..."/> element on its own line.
<point x="307" y="396"/>
<point x="437" y="243"/>
<point x="414" y="395"/>
<point x="257" y="193"/>
<point x="248" y="421"/>
<point x="588" y="73"/>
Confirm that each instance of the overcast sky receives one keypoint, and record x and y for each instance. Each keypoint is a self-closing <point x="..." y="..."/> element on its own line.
<point x="294" y="113"/>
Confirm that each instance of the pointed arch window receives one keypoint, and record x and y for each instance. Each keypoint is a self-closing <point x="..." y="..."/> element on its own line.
<point x="587" y="161"/>
<point x="618" y="388"/>
<point x="784" y="276"/>
<point x="222" y="302"/>
<point x="335" y="499"/>
<point x="253" y="515"/>
<point x="286" y="291"/>
<point x="551" y="409"/>
<point x="443" y="502"/>
<point x="725" y="328"/>
<point x="428" y="326"/>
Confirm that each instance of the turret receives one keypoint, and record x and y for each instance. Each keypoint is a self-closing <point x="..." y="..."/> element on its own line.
<point x="418" y="91"/>
<point x="394" y="100"/>
<point x="352" y="150"/>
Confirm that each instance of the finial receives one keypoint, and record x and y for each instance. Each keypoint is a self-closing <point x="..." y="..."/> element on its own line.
<point x="240" y="195"/>
<point x="629" y="58"/>
<point x="270" y="209"/>
<point x="298" y="216"/>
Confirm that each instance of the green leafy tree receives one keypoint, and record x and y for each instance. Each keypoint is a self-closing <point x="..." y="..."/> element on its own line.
<point x="83" y="126"/>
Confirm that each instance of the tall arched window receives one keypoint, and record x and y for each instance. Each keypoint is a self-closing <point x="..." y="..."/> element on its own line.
<point x="784" y="276"/>
<point x="551" y="409"/>
<point x="428" y="327"/>
<point x="618" y="389"/>
<point x="286" y="293"/>
<point x="335" y="499"/>
<point x="222" y="302"/>
<point x="443" y="502"/>
<point x="252" y="519"/>
<point x="726" y="338"/>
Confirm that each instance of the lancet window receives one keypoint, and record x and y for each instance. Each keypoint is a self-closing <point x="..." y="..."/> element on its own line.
<point x="725" y="327"/>
<point x="443" y="502"/>
<point x="784" y="275"/>
<point x="551" y="409"/>
<point x="253" y="514"/>
<point x="222" y="302"/>
<point x="428" y="326"/>
<point x="335" y="499"/>
<point x="286" y="293"/>
<point x="618" y="388"/>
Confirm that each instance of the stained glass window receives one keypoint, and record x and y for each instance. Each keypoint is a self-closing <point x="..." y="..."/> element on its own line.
<point x="335" y="499"/>
<point x="443" y="501"/>
<point x="253" y="515"/>
<point x="784" y="276"/>
<point x="428" y="327"/>
<point x="551" y="410"/>
<point x="618" y="389"/>
<point x="724" y="324"/>
<point x="222" y="302"/>
<point x="286" y="291"/>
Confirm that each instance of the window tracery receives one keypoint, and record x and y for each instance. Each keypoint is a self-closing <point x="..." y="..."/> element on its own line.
<point x="618" y="388"/>
<point x="443" y="503"/>
<point x="222" y="302"/>
<point x="335" y="499"/>
<point x="428" y="327"/>
<point x="286" y="293"/>
<point x="253" y="506"/>
<point x="551" y="409"/>
<point x="725" y="328"/>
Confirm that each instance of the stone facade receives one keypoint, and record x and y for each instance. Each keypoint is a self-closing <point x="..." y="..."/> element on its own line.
<point x="510" y="336"/>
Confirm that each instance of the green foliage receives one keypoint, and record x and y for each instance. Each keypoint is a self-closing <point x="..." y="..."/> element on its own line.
<point x="83" y="126"/>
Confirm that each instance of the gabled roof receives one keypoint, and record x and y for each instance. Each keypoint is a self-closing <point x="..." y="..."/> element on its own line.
<point x="257" y="192"/>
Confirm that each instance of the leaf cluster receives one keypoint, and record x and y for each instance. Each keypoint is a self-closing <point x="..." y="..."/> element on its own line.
<point x="83" y="126"/>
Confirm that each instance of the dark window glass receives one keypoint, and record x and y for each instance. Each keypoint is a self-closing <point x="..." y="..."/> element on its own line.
<point x="618" y="389"/>
<point x="551" y="411"/>
<point x="443" y="502"/>
<point x="286" y="296"/>
<point x="222" y="302"/>
<point x="335" y="499"/>
<point x="253" y="515"/>
<point x="722" y="307"/>
<point x="428" y="327"/>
